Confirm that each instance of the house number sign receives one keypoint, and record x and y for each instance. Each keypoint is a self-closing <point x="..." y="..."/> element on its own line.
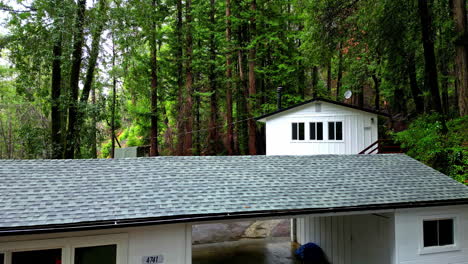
<point x="153" y="259"/>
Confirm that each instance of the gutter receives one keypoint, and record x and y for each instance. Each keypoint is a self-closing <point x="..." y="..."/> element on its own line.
<point x="122" y="223"/>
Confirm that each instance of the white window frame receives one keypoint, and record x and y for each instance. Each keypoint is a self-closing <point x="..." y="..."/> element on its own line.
<point x="323" y="132"/>
<point x="439" y="249"/>
<point x="68" y="246"/>
<point x="342" y="130"/>
<point x="305" y="131"/>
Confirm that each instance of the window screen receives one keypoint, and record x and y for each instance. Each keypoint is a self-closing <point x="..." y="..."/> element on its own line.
<point x="48" y="256"/>
<point x="339" y="130"/>
<point x="96" y="255"/>
<point x="294" y="131"/>
<point x="331" y="130"/>
<point x="298" y="131"/>
<point x="320" y="131"/>
<point x="316" y="130"/>
<point x="438" y="232"/>
<point x="335" y="130"/>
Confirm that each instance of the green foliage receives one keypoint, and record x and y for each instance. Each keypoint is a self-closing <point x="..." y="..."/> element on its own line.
<point x="425" y="141"/>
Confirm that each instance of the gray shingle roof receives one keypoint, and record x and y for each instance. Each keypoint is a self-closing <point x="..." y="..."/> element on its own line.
<point x="56" y="192"/>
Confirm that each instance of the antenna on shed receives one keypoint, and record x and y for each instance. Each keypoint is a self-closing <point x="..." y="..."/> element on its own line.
<point x="348" y="94"/>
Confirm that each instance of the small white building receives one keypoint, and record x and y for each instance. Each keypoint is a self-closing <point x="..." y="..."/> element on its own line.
<point x="385" y="209"/>
<point x="320" y="126"/>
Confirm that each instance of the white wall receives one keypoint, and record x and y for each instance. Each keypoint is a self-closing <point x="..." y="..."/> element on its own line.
<point x="172" y="241"/>
<point x="350" y="239"/>
<point x="408" y="236"/>
<point x="355" y="136"/>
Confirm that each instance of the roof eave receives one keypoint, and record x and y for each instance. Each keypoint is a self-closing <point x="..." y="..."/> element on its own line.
<point x="262" y="118"/>
<point x="122" y="223"/>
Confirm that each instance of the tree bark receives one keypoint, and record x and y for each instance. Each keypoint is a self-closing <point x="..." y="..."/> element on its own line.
<point x="72" y="136"/>
<point x="93" y="127"/>
<point x="189" y="79"/>
<point x="461" y="54"/>
<point x="213" y="130"/>
<point x="180" y="81"/>
<point x="314" y="81"/>
<point x="56" y="108"/>
<point x="229" y="120"/>
<point x="242" y="95"/>
<point x="340" y="71"/>
<point x="329" y="77"/>
<point x="415" y="90"/>
<point x="114" y="101"/>
<point x="154" y="88"/>
<point x="377" y="91"/>
<point x="430" y="66"/>
<point x="252" y="128"/>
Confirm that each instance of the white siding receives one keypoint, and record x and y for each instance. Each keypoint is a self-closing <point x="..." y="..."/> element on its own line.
<point x="355" y="135"/>
<point x="352" y="239"/>
<point x="171" y="241"/>
<point x="408" y="233"/>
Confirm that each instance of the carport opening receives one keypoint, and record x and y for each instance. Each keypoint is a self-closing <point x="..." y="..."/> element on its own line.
<point x="259" y="242"/>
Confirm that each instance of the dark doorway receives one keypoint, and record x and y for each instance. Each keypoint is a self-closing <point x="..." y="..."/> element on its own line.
<point x="48" y="256"/>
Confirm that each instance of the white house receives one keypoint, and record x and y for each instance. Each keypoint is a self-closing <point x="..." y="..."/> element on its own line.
<point x="320" y="126"/>
<point x="358" y="208"/>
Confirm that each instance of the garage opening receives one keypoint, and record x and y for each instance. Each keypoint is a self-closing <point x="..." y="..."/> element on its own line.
<point x="256" y="242"/>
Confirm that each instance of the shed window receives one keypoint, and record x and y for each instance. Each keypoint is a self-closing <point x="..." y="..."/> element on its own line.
<point x="335" y="130"/>
<point x="438" y="232"/>
<point x="298" y="132"/>
<point x="316" y="130"/>
<point x="2" y="258"/>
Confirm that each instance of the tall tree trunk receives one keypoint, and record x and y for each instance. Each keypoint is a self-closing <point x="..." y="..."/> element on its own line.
<point x="213" y="130"/>
<point x="377" y="91"/>
<point x="229" y="120"/>
<point x="114" y="99"/>
<point x="90" y="71"/>
<point x="154" y="88"/>
<point x="340" y="71"/>
<point x="415" y="90"/>
<point x="430" y="66"/>
<point x="242" y="95"/>
<point x="78" y="40"/>
<point x="329" y="77"/>
<point x="252" y="128"/>
<point x="444" y="85"/>
<point x="314" y="81"/>
<point x="56" y="108"/>
<point x="461" y="54"/>
<point x="189" y="79"/>
<point x="93" y="127"/>
<point x="180" y="81"/>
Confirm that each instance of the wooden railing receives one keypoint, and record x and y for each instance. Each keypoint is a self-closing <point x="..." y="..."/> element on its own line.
<point x="381" y="146"/>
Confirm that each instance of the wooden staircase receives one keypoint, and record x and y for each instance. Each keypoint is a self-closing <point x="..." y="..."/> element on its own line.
<point x="382" y="146"/>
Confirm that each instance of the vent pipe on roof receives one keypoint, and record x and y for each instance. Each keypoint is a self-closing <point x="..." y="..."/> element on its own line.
<point x="278" y="92"/>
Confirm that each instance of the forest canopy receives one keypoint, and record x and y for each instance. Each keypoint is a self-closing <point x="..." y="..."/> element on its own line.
<point x="80" y="78"/>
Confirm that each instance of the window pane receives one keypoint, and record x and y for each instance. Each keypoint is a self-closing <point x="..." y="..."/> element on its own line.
<point x="49" y="256"/>
<point x="430" y="233"/>
<point x="294" y="131"/>
<point x="446" y="232"/>
<point x="312" y="131"/>
<point x="339" y="130"/>
<point x="96" y="255"/>
<point x="320" y="131"/>
<point x="301" y="131"/>
<point x="331" y="130"/>
<point x="2" y="258"/>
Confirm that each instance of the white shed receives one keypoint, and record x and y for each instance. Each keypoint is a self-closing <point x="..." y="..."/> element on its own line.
<point x="320" y="126"/>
